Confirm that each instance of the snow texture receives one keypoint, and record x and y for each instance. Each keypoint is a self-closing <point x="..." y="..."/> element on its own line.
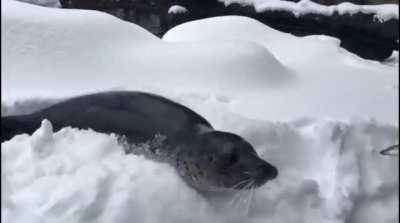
<point x="267" y="74"/>
<point x="317" y="112"/>
<point x="177" y="9"/>
<point x="382" y="12"/>
<point x="329" y="172"/>
<point x="351" y="86"/>
<point x="47" y="3"/>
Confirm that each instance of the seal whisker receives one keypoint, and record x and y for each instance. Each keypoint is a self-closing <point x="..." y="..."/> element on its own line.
<point x="238" y="194"/>
<point x="239" y="184"/>
<point x="246" y="208"/>
<point x="238" y="197"/>
<point x="244" y="192"/>
<point x="252" y="192"/>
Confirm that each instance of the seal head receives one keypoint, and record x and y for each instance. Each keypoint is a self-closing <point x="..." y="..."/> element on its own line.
<point x="222" y="161"/>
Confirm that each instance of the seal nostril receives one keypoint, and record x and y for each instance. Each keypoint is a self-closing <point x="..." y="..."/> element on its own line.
<point x="274" y="172"/>
<point x="269" y="171"/>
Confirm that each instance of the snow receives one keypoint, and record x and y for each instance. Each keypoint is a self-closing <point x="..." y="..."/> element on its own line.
<point x="177" y="9"/>
<point x="266" y="74"/>
<point x="351" y="86"/>
<point x="47" y="3"/>
<point x="329" y="172"/>
<point x="317" y="112"/>
<point x="382" y="12"/>
<point x="77" y="47"/>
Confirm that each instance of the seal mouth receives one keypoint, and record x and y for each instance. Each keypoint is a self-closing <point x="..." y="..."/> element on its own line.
<point x="261" y="175"/>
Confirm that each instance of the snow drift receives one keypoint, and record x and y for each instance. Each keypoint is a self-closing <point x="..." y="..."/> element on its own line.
<point x="351" y="86"/>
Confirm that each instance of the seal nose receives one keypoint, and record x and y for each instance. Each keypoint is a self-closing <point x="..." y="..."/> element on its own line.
<point x="273" y="172"/>
<point x="267" y="171"/>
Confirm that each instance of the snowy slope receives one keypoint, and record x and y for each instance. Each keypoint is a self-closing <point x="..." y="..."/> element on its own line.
<point x="291" y="98"/>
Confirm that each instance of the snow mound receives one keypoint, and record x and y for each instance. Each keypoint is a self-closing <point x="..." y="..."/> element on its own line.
<point x="383" y="12"/>
<point x="177" y="9"/>
<point x="76" y="47"/>
<point x="329" y="172"/>
<point x="80" y="176"/>
<point x="331" y="82"/>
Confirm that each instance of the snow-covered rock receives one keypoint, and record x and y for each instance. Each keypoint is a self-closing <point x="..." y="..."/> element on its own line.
<point x="177" y="9"/>
<point x="383" y="12"/>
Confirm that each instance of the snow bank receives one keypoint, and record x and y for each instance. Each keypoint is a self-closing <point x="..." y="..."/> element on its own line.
<point x="92" y="51"/>
<point x="329" y="172"/>
<point x="331" y="82"/>
<point x="381" y="12"/>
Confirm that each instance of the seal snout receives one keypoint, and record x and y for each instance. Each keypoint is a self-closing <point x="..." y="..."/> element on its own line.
<point x="265" y="172"/>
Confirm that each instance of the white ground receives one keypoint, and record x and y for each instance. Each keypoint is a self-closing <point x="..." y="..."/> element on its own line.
<point x="317" y="112"/>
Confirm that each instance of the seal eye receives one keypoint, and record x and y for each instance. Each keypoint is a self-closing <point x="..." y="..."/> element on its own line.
<point x="228" y="160"/>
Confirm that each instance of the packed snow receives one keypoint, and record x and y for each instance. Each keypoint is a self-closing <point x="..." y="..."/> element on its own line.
<point x="317" y="112"/>
<point x="382" y="12"/>
<point x="177" y="9"/>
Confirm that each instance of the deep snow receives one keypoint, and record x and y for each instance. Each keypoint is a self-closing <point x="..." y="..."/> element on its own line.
<point x="351" y="86"/>
<point x="265" y="74"/>
<point x="317" y="112"/>
<point x="329" y="172"/>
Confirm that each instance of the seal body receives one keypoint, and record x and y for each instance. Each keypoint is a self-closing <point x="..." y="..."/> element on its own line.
<point x="207" y="159"/>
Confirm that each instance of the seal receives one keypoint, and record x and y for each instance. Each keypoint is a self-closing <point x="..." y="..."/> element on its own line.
<point x="207" y="159"/>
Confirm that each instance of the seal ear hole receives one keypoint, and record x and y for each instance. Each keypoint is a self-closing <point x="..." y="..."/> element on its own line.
<point x="210" y="159"/>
